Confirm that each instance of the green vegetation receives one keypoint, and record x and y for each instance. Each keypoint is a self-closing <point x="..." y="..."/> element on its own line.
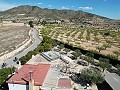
<point x="4" y="72"/>
<point x="77" y="53"/>
<point x="61" y="46"/>
<point x="84" y="38"/>
<point x="31" y="24"/>
<point x="46" y="45"/>
<point x="100" y="48"/>
<point x="117" y="53"/>
<point x="64" y="35"/>
<point x="118" y="69"/>
<point x="67" y="50"/>
<point x="43" y="22"/>
<point x="107" y="33"/>
<point x="104" y="63"/>
<point x="106" y="46"/>
<point x="89" y="59"/>
<point x="91" y="76"/>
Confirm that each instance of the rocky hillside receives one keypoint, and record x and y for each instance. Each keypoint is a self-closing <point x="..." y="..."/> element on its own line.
<point x="76" y="17"/>
<point x="48" y="13"/>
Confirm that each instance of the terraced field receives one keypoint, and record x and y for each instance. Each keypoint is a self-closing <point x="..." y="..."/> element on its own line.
<point x="12" y="37"/>
<point x="100" y="41"/>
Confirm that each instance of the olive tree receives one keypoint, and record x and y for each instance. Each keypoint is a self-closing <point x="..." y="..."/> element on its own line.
<point x="91" y="76"/>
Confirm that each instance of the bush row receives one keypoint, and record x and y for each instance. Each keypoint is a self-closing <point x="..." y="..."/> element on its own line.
<point x="45" y="45"/>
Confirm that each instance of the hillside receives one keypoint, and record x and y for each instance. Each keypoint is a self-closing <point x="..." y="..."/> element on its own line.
<point x="76" y="17"/>
<point x="48" y="13"/>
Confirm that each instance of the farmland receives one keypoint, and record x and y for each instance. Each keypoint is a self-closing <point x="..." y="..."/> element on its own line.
<point x="106" y="42"/>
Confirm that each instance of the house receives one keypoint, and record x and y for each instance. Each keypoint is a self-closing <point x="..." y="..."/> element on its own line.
<point x="29" y="77"/>
<point x="38" y="77"/>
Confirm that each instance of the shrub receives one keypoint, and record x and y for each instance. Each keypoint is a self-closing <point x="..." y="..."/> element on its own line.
<point x="107" y="33"/>
<point x="113" y="57"/>
<point x="91" y="76"/>
<point x="31" y="24"/>
<point x="4" y="74"/>
<point x="23" y="60"/>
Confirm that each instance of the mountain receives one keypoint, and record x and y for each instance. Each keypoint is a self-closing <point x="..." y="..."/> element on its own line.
<point x="47" y="13"/>
<point x="78" y="17"/>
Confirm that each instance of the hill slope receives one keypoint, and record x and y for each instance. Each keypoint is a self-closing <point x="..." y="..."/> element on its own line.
<point x="48" y="13"/>
<point x="78" y="17"/>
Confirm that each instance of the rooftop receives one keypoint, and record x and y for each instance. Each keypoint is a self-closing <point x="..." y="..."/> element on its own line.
<point x="113" y="80"/>
<point x="39" y="73"/>
<point x="64" y="83"/>
<point x="51" y="55"/>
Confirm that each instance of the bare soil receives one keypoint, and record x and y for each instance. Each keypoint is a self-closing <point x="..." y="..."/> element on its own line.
<point x="12" y="37"/>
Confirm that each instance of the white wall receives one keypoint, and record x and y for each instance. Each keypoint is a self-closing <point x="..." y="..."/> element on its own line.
<point x="17" y="87"/>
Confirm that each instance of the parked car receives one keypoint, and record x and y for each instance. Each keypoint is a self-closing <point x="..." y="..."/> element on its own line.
<point x="16" y="59"/>
<point x="4" y="64"/>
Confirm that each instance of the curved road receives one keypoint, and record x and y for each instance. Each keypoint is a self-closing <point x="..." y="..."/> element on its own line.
<point x="36" y="42"/>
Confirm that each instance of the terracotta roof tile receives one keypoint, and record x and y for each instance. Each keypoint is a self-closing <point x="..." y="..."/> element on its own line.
<point x="64" y="83"/>
<point x="22" y="77"/>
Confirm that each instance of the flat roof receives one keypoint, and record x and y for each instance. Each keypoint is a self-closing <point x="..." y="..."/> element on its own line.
<point x="39" y="73"/>
<point x="64" y="83"/>
<point x="50" y="55"/>
<point x="113" y="80"/>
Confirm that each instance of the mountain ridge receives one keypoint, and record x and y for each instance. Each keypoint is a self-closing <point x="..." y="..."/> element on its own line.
<point x="76" y="17"/>
<point x="25" y="7"/>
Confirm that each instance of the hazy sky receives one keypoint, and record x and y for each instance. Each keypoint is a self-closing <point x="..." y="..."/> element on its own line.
<point x="107" y="8"/>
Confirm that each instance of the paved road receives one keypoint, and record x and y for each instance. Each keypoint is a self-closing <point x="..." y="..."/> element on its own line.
<point x="36" y="42"/>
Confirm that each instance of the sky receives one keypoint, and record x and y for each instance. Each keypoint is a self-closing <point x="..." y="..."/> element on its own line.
<point x="106" y="8"/>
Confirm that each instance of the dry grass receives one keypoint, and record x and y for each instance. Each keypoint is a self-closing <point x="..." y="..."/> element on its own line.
<point x="12" y="37"/>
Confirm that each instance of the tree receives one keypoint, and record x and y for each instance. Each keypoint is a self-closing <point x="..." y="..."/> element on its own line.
<point x="104" y="60"/>
<point x="43" y="22"/>
<point x="23" y="60"/>
<point x="77" y="53"/>
<point x="97" y="40"/>
<point x="31" y="24"/>
<point x="14" y="21"/>
<point x="109" y="42"/>
<point x="89" y="59"/>
<point x="100" y="48"/>
<point x="1" y="20"/>
<point x="61" y="46"/>
<point x="89" y="54"/>
<point x="47" y="46"/>
<point x="67" y="50"/>
<point x="118" y="69"/>
<point x="107" y="33"/>
<point x="91" y="76"/>
<point x="105" y="65"/>
<point x="117" y="53"/>
<point x="112" y="56"/>
<point x="4" y="74"/>
<point x="106" y="46"/>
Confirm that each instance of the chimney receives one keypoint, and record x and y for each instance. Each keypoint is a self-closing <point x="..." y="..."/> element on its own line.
<point x="31" y="81"/>
<point x="30" y="75"/>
